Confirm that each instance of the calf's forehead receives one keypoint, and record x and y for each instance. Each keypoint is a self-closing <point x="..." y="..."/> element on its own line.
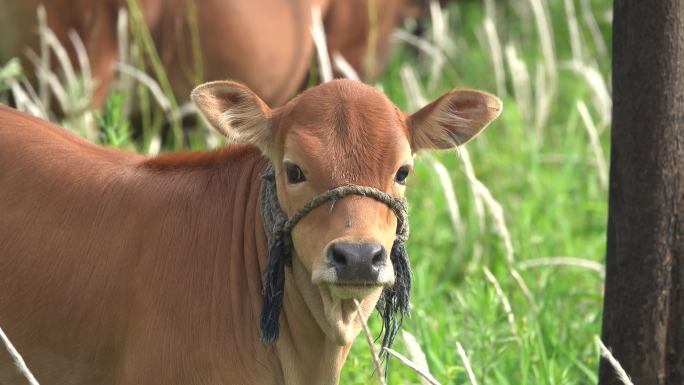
<point x="350" y="132"/>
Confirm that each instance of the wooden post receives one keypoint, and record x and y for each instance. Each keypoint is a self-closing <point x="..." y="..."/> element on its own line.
<point x="643" y="320"/>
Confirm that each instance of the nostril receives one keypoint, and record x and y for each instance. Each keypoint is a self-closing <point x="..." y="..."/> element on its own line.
<point x="379" y="256"/>
<point x="339" y="257"/>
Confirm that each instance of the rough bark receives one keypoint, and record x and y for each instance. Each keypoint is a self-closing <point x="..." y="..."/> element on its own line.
<point x="644" y="309"/>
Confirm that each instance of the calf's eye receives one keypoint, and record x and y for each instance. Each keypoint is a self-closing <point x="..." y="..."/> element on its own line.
<point x="401" y="175"/>
<point x="294" y="173"/>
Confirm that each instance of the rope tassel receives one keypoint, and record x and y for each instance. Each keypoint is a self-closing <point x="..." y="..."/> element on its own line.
<point x="279" y="254"/>
<point x="394" y="302"/>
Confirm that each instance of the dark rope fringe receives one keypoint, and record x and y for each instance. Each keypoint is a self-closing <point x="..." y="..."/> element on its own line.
<point x="279" y="254"/>
<point x="394" y="302"/>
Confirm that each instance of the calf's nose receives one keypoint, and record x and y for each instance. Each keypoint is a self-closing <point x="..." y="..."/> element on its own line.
<point x="357" y="263"/>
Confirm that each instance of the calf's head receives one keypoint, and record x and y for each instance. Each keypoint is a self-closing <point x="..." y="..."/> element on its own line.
<point x="337" y="134"/>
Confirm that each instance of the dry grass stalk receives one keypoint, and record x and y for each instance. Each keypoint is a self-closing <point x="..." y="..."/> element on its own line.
<point x="573" y="28"/>
<point x="563" y="261"/>
<point x="159" y="95"/>
<point x="26" y="100"/>
<point x="416" y="354"/>
<point x="369" y="338"/>
<point x="546" y="74"/>
<point x="61" y="54"/>
<point x="599" y="157"/>
<point x="523" y="287"/>
<point x="419" y="43"/>
<point x="441" y="38"/>
<point x="18" y="361"/>
<point x="504" y="300"/>
<point x="619" y="370"/>
<point x="600" y="93"/>
<point x="470" y="174"/>
<point x="150" y="83"/>
<point x="545" y="39"/>
<point x="439" y="24"/>
<point x="83" y="61"/>
<point x="145" y="42"/>
<point x="318" y="34"/>
<point x="520" y="77"/>
<point x="543" y="98"/>
<point x="497" y="58"/>
<point x="414" y="94"/>
<point x="372" y="49"/>
<point x="342" y="65"/>
<point x="45" y="56"/>
<point x="490" y="10"/>
<point x="427" y="376"/>
<point x="466" y="363"/>
<point x="73" y="90"/>
<point x="450" y="195"/>
<point x="596" y="35"/>
<point x="54" y="85"/>
<point x="122" y="38"/>
<point x="497" y="213"/>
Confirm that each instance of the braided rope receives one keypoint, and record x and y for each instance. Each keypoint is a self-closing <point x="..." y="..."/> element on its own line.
<point x="397" y="205"/>
<point x="277" y="223"/>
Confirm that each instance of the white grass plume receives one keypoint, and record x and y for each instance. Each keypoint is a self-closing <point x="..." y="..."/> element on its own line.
<point x="18" y="360"/>
<point x="520" y="78"/>
<point x="450" y="196"/>
<point x="504" y="300"/>
<point x="596" y="35"/>
<point x="599" y="157"/>
<point x="342" y="65"/>
<point x="492" y="205"/>
<point x="494" y="45"/>
<point x="573" y="29"/>
<point x="427" y="376"/>
<point x="601" y="97"/>
<point x="466" y="363"/>
<point x="416" y="354"/>
<point x="414" y="94"/>
<point x="318" y="34"/>
<point x="563" y="261"/>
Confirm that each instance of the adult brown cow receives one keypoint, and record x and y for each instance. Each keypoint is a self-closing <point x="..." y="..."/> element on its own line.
<point x="266" y="44"/>
<point x="120" y="269"/>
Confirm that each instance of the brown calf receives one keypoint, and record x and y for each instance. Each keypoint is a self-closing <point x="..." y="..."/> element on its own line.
<point x="121" y="269"/>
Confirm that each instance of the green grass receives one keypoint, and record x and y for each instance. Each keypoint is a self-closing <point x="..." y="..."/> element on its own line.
<point x="553" y="204"/>
<point x="543" y="175"/>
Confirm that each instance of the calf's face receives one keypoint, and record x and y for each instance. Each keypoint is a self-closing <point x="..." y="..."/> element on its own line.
<point x="336" y="134"/>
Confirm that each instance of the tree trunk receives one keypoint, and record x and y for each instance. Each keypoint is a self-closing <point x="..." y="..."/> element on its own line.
<point x="643" y="320"/>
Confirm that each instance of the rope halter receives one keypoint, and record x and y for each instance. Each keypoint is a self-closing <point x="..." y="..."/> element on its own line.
<point x="393" y="303"/>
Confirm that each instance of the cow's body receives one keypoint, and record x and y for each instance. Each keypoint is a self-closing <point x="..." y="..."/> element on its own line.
<point x="266" y="44"/>
<point x="132" y="260"/>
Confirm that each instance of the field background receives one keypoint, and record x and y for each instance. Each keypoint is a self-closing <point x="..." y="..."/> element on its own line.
<point x="508" y="234"/>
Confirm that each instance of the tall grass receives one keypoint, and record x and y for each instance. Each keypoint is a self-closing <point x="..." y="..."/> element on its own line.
<point x="488" y="221"/>
<point x="531" y="188"/>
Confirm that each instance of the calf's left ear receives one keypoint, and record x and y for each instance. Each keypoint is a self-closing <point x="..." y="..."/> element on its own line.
<point x="453" y="119"/>
<point x="235" y="111"/>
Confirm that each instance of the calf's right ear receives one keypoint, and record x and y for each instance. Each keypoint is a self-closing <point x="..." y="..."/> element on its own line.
<point x="453" y="119"/>
<point x="235" y="111"/>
